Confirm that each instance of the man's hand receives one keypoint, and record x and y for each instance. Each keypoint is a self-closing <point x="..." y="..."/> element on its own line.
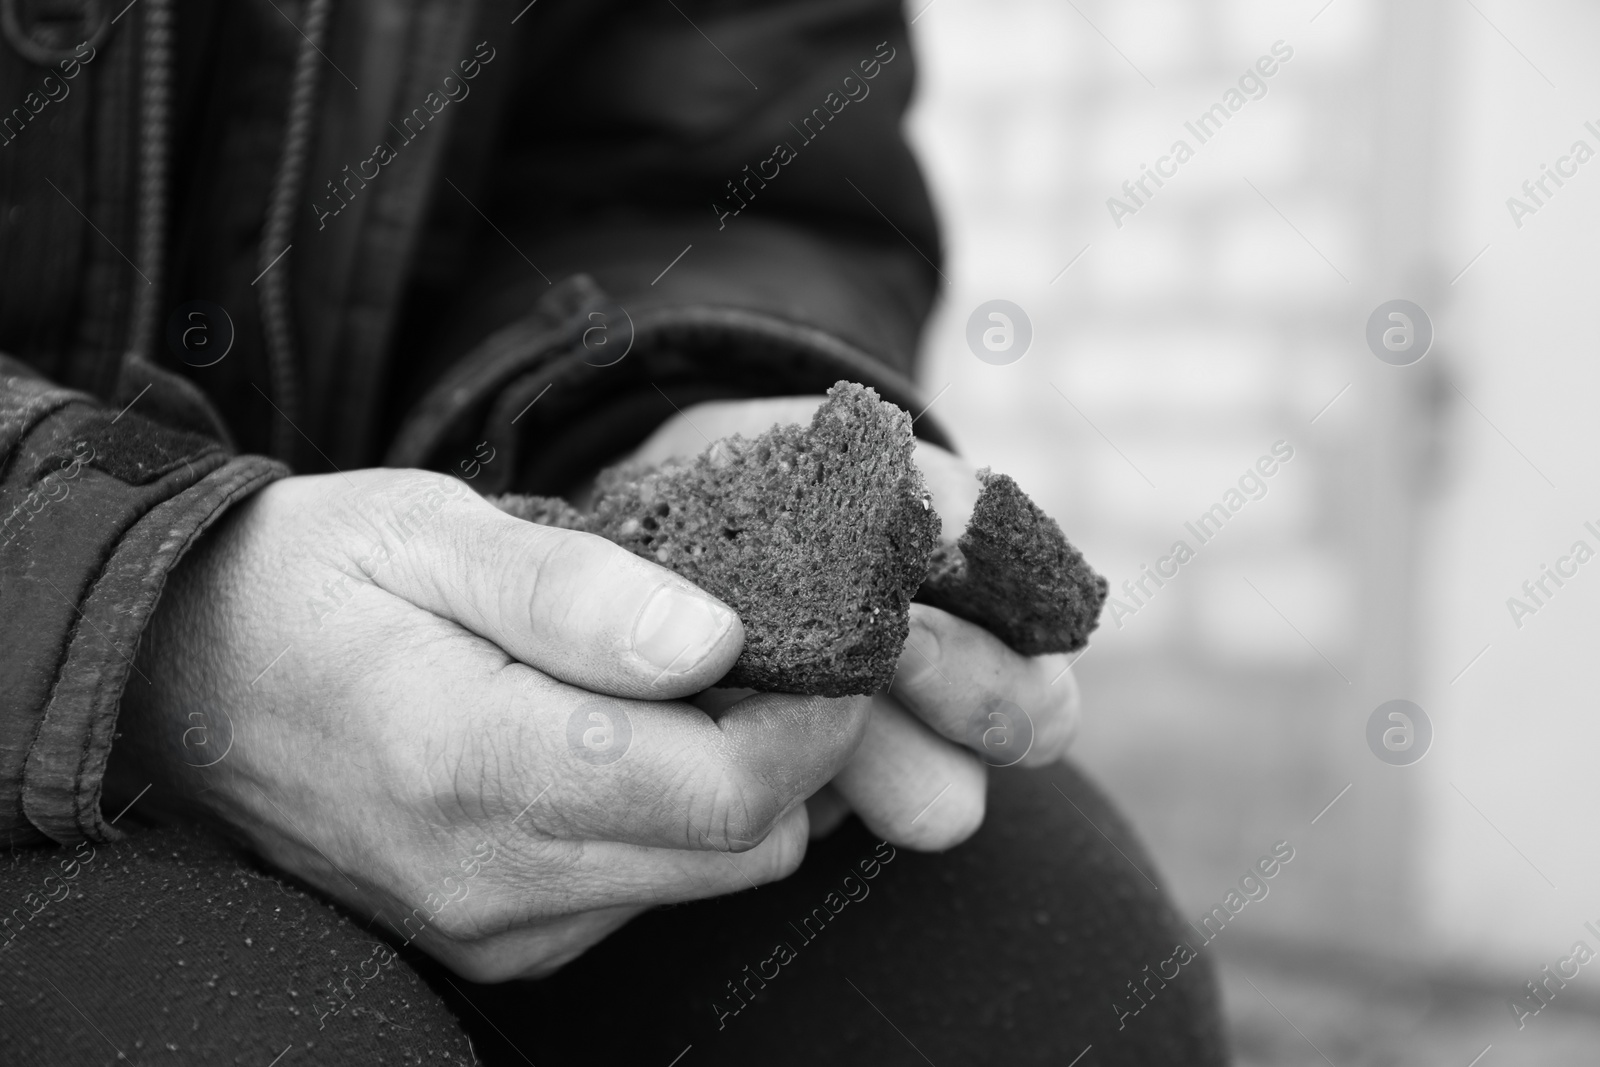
<point x="961" y="700"/>
<point x="465" y="724"/>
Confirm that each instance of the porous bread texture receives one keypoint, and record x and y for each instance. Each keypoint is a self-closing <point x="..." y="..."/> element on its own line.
<point x="817" y="536"/>
<point x="1014" y="573"/>
<point x="820" y="537"/>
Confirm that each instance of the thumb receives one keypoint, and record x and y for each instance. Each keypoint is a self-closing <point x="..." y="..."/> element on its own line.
<point x="572" y="605"/>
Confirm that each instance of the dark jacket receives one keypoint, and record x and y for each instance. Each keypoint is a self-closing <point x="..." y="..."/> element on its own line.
<point x="403" y="232"/>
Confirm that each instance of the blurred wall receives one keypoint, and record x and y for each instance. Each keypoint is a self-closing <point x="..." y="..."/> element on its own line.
<point x="1177" y="343"/>
<point x="1518" y="733"/>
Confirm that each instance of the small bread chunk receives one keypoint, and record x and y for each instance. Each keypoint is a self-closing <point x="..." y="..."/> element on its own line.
<point x="817" y="536"/>
<point x="1014" y="573"/>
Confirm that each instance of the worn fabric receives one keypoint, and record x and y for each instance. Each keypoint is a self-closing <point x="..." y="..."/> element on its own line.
<point x="172" y="947"/>
<point x="1019" y="947"/>
<point x="537" y="227"/>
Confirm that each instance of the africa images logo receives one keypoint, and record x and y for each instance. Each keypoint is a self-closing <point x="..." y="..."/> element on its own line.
<point x="1252" y="85"/>
<point x="855" y="90"/>
<point x="999" y="332"/>
<point x="1399" y="332"/>
<point x="599" y="732"/>
<point x="452" y="89"/>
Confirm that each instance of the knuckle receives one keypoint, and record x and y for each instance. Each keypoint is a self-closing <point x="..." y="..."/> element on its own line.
<point x="737" y="814"/>
<point x="520" y="557"/>
<point x="401" y="522"/>
<point x="399" y="494"/>
<point x="786" y="851"/>
<point x="548" y="563"/>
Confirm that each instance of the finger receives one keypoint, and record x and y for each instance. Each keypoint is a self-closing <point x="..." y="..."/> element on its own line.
<point x="576" y="766"/>
<point x="571" y="604"/>
<point x="512" y="927"/>
<point x="689" y="782"/>
<point x="969" y="687"/>
<point x="910" y="786"/>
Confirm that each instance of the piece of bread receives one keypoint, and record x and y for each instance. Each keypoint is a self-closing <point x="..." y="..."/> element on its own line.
<point x="1014" y="573"/>
<point x="816" y="535"/>
<point x="820" y="536"/>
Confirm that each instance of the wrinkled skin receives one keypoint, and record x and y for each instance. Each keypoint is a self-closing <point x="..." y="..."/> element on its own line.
<point x="476" y="730"/>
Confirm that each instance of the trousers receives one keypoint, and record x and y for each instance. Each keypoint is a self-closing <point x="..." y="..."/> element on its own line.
<point x="1037" y="941"/>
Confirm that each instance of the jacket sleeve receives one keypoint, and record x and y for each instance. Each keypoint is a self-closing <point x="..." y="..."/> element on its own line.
<point x="96" y="507"/>
<point x="702" y="200"/>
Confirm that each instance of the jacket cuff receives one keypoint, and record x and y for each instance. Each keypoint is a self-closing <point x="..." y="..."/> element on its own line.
<point x="97" y="509"/>
<point x="61" y="783"/>
<point x="604" y="358"/>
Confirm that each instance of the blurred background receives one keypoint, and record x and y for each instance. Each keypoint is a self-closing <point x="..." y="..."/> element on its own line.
<point x="1175" y="344"/>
